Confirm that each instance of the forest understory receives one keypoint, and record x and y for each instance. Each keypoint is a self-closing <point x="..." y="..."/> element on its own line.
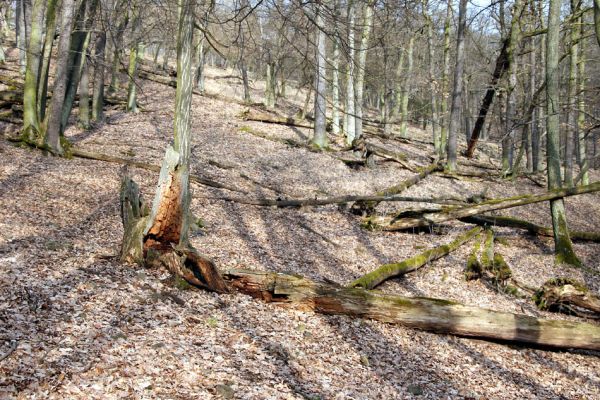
<point x="75" y="322"/>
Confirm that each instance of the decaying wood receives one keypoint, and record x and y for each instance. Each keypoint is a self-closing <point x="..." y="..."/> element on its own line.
<point x="368" y="149"/>
<point x="367" y="206"/>
<point x="399" y="222"/>
<point x="153" y="238"/>
<point x="386" y="271"/>
<point x="338" y="200"/>
<point x="249" y="115"/>
<point x="422" y="313"/>
<point x="511" y="222"/>
<point x="560" y="293"/>
<point x="286" y="141"/>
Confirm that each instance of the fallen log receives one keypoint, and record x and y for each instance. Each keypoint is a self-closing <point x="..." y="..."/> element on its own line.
<point x="386" y="271"/>
<point x="511" y="222"/>
<point x="428" y="314"/>
<point x="367" y="207"/>
<point x="395" y="222"/>
<point x="155" y="168"/>
<point x="282" y="203"/>
<point x="271" y="119"/>
<point x="368" y="149"/>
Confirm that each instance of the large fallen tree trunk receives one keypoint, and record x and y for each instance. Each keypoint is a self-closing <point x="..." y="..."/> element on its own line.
<point x="368" y="206"/>
<point x="401" y="221"/>
<point x="434" y="315"/>
<point x="386" y="271"/>
<point x="511" y="222"/>
<point x="339" y="200"/>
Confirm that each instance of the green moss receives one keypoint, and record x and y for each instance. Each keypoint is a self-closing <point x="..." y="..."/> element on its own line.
<point x="487" y="257"/>
<point x="212" y="322"/>
<point x="563" y="247"/>
<point x="181" y="283"/>
<point x="501" y="269"/>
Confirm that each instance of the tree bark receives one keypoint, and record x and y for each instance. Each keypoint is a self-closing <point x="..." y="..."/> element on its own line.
<point x="42" y="94"/>
<point x="362" y="64"/>
<point x="563" y="247"/>
<point x="98" y="96"/>
<point x="406" y="89"/>
<point x="52" y="138"/>
<point x="319" y="139"/>
<point x="435" y="315"/>
<point x="350" y="120"/>
<point x="457" y="90"/>
<point x="31" y="122"/>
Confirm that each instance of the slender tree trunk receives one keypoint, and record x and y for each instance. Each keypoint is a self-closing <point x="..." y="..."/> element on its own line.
<point x="571" y="131"/>
<point x="98" y="97"/>
<point x="84" y="94"/>
<point x="199" y="60"/>
<point x="433" y="82"/>
<point x="563" y="247"/>
<point x="319" y="139"/>
<point x="42" y="94"/>
<point x="457" y="90"/>
<point x="581" y="76"/>
<point x="350" y="120"/>
<point x="597" y="20"/>
<point x="270" y="83"/>
<point x="52" y="138"/>
<point x="445" y="81"/>
<point x="362" y="64"/>
<point x="117" y="41"/>
<point x="335" y="86"/>
<point x="132" y="70"/>
<point x="31" y="123"/>
<point x="21" y="34"/>
<point x="406" y="89"/>
<point x="79" y="45"/>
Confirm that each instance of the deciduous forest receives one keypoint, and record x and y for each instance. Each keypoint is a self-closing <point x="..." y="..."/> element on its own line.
<point x="325" y="199"/>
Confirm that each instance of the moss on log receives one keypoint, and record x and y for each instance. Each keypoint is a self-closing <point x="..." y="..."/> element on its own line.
<point x="386" y="271"/>
<point x="434" y="315"/>
<point x="559" y="294"/>
<point x="394" y="223"/>
<point x="511" y="222"/>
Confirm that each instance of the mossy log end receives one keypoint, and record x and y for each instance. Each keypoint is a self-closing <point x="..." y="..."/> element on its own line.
<point x="395" y="222"/>
<point x="511" y="222"/>
<point x="422" y="313"/>
<point x="386" y="271"/>
<point x="559" y="294"/>
<point x="368" y="207"/>
<point x="159" y="237"/>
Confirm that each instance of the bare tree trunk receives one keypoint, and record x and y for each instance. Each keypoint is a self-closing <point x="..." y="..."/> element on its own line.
<point x="457" y="90"/>
<point x="42" y="94"/>
<point x="433" y="85"/>
<point x="571" y="131"/>
<point x="319" y="139"/>
<point x="84" y="93"/>
<point x="350" y="120"/>
<point x="54" y="116"/>
<point x="335" y="86"/>
<point x="445" y="78"/>
<point x="406" y="87"/>
<point x="21" y="34"/>
<point x="581" y="134"/>
<point x="134" y="52"/>
<point x="563" y="247"/>
<point x="98" y="97"/>
<point x="362" y="64"/>
<point x="31" y="122"/>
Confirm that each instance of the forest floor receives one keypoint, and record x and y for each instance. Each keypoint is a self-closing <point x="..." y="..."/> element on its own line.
<point x="75" y="323"/>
